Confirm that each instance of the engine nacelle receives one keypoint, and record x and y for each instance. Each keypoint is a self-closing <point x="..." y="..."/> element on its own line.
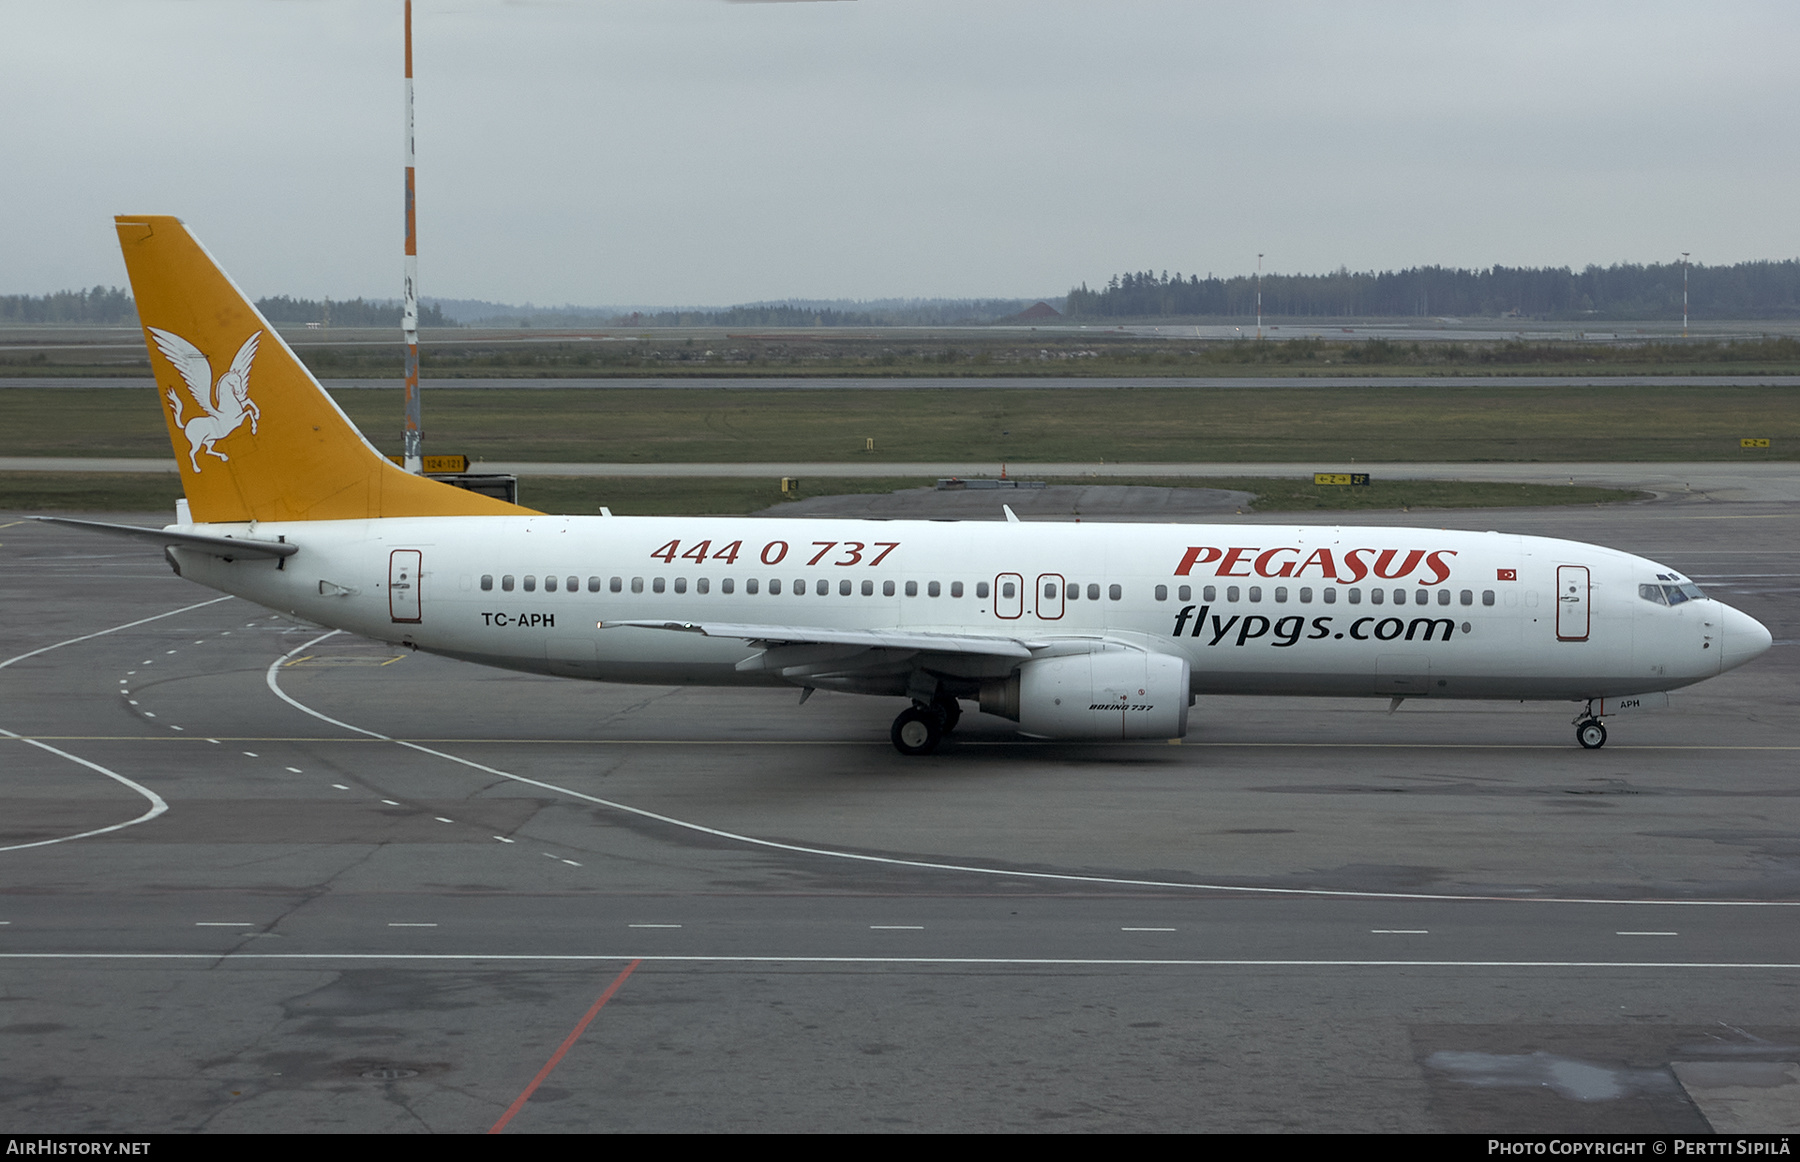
<point x="1111" y="694"/>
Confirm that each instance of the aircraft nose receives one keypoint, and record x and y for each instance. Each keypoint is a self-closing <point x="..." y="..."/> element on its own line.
<point x="1744" y="639"/>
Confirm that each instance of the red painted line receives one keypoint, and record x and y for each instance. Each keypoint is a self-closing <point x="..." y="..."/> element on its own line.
<point x="568" y="1043"/>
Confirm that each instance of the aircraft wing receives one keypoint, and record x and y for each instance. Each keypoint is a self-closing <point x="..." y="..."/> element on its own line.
<point x="786" y="635"/>
<point x="226" y="547"/>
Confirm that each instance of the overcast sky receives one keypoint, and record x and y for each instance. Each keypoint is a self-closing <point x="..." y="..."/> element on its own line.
<point x="703" y="152"/>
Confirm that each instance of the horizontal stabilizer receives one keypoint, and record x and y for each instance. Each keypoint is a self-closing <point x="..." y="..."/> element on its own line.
<point x="226" y="547"/>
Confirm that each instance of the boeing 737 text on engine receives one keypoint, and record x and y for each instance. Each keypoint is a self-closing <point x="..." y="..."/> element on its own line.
<point x="1073" y="631"/>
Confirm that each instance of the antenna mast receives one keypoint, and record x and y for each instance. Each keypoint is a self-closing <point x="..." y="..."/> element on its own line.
<point x="411" y="457"/>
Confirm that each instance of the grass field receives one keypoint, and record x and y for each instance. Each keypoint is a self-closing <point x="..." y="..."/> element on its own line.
<point x="1169" y="424"/>
<point x="666" y="496"/>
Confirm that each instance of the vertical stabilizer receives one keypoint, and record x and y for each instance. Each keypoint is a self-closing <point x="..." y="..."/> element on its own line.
<point x="255" y="436"/>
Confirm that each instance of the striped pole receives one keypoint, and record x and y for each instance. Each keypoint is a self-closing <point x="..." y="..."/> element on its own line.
<point x="409" y="311"/>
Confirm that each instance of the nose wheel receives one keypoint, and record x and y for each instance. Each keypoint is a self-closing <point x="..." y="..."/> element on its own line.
<point x="1590" y="731"/>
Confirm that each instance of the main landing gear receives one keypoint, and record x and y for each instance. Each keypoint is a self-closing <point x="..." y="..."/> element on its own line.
<point x="919" y="729"/>
<point x="1590" y="732"/>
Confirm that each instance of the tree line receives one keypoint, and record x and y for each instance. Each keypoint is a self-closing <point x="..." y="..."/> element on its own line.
<point x="105" y="304"/>
<point x="1746" y="290"/>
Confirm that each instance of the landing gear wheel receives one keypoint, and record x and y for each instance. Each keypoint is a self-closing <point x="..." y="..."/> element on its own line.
<point x="949" y="713"/>
<point x="916" y="731"/>
<point x="1591" y="734"/>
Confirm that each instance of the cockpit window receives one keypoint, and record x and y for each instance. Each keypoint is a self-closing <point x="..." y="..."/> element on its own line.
<point x="1670" y="594"/>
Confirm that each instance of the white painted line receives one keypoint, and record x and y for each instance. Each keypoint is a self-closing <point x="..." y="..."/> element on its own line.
<point x="571" y="863"/>
<point x="148" y="714"/>
<point x="168" y="651"/>
<point x="223" y="924"/>
<point x="1146" y="929"/>
<point x="340" y="786"/>
<point x="896" y="927"/>
<point x="652" y="925"/>
<point x="296" y="771"/>
<point x="398" y="924"/>
<point x="214" y="741"/>
<point x="1115" y="961"/>
<point x="1646" y="933"/>
<point x="390" y="803"/>
<point x="271" y="677"/>
<point x="1400" y="931"/>
<point x="441" y="819"/>
<point x="172" y="726"/>
<point x="132" y="702"/>
<point x="252" y="754"/>
<point x="503" y="839"/>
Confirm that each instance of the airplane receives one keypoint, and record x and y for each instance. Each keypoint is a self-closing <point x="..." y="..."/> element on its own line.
<point x="1070" y="630"/>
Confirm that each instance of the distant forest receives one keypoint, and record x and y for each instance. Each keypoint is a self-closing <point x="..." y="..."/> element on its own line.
<point x="1748" y="290"/>
<point x="113" y="305"/>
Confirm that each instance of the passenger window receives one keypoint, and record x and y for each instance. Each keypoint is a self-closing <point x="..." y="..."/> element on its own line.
<point x="702" y="584"/>
<point x="549" y="585"/>
<point x="1006" y="589"/>
<point x="774" y="587"/>
<point x="1185" y="593"/>
<point x="1162" y="592"/>
<point x="823" y="588"/>
<point x="487" y="582"/>
<point x="868" y="588"/>
<point x="1467" y="597"/>
<point x="844" y="588"/>
<point x="1093" y="593"/>
<point x="912" y="588"/>
<point x="681" y="584"/>
<point x="1329" y="596"/>
<point x="887" y="588"/>
<point x="981" y="589"/>
<point x="1420" y="597"/>
<point x="1072" y="591"/>
<point x="616" y="584"/>
<point x="1355" y="596"/>
<point x="1114" y="592"/>
<point x="506" y="583"/>
<point x="750" y="584"/>
<point x="1443" y="597"/>
<point x="637" y="584"/>
<point x="657" y="585"/>
<point x="1231" y="592"/>
<point x="1256" y="592"/>
<point x="931" y="589"/>
<point x="593" y="584"/>
<point x="1210" y="593"/>
<point x="799" y="587"/>
<point x="1281" y="593"/>
<point x="956" y="589"/>
<point x="572" y="585"/>
<point x="1376" y="596"/>
<point x="1487" y="596"/>
<point x="727" y="585"/>
<point x="530" y="583"/>
<point x="1049" y="589"/>
<point x="1305" y="595"/>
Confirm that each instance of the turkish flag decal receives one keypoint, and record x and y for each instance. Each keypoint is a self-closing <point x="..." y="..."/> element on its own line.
<point x="1506" y="575"/>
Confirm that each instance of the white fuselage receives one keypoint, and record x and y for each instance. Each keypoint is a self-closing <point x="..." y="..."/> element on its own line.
<point x="1254" y="609"/>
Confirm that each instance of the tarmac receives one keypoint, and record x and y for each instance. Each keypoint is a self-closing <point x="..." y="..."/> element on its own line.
<point x="258" y="877"/>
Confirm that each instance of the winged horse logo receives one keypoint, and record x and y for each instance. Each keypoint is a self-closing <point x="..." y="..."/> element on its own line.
<point x="227" y="404"/>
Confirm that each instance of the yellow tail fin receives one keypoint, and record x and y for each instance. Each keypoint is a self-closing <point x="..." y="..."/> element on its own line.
<point x="255" y="435"/>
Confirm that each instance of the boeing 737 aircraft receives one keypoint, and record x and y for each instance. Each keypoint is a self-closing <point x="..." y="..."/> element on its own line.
<point x="1073" y="631"/>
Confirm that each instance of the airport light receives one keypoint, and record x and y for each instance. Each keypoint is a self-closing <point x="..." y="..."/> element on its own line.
<point x="411" y="457"/>
<point x="1684" y="298"/>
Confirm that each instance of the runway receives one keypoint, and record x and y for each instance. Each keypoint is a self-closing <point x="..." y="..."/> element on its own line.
<point x="383" y="889"/>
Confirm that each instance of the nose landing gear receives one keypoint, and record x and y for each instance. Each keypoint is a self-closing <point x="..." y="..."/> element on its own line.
<point x="1590" y="732"/>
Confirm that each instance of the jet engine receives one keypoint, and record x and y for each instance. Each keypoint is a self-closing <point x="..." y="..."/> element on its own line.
<point x="1111" y="694"/>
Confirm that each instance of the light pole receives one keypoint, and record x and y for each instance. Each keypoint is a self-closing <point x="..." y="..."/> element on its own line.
<point x="1259" y="259"/>
<point x="1684" y="299"/>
